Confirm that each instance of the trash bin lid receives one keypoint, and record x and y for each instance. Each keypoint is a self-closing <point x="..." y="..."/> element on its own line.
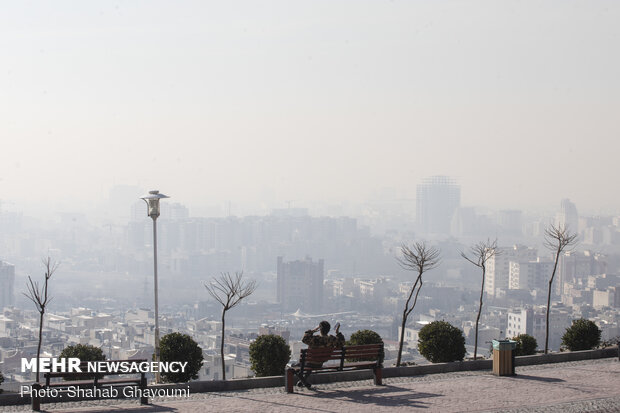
<point x="503" y="345"/>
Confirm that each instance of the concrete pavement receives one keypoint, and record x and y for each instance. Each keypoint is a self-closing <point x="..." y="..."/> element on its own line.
<point x="592" y="385"/>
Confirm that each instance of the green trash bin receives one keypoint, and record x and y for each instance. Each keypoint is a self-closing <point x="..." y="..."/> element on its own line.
<point x="503" y="357"/>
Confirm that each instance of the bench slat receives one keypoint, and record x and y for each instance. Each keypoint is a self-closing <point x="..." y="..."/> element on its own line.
<point x="323" y="358"/>
<point x="363" y="350"/>
<point x="361" y="354"/>
<point x="359" y="364"/>
<point x="365" y="346"/>
<point x="322" y="351"/>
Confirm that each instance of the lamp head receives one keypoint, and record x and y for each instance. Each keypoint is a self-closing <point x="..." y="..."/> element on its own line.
<point x="152" y="203"/>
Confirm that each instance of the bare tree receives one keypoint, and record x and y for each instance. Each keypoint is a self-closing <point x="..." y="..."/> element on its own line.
<point x="557" y="239"/>
<point x="229" y="290"/>
<point x="418" y="258"/>
<point x="40" y="297"/>
<point x="480" y="254"/>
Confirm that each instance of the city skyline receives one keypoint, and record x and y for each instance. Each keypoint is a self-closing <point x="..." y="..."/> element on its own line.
<point x="347" y="161"/>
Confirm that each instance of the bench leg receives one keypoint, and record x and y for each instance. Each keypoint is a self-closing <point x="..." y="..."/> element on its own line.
<point x="378" y="376"/>
<point x="143" y="399"/>
<point x="34" y="397"/>
<point x="303" y="379"/>
<point x="289" y="381"/>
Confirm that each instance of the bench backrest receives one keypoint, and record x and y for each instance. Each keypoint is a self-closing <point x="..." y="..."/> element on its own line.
<point x="318" y="356"/>
<point x="365" y="352"/>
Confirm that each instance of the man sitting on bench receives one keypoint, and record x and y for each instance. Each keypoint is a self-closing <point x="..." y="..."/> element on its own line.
<point x="325" y="340"/>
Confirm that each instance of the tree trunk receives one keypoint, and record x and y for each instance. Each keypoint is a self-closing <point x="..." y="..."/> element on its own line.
<point x="479" y="312"/>
<point x="222" y="345"/>
<point x="402" y="330"/>
<point x="402" y="338"/>
<point x="40" y="341"/>
<point x="555" y="266"/>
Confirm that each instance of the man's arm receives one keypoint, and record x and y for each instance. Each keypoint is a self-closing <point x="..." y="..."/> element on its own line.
<point x="308" y="336"/>
<point x="339" y="339"/>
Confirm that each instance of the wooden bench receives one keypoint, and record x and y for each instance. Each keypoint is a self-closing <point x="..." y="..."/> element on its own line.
<point x="363" y="357"/>
<point x="90" y="380"/>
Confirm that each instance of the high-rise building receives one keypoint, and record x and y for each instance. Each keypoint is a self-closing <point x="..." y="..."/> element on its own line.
<point x="7" y="284"/>
<point x="498" y="266"/>
<point x="438" y="197"/>
<point x="568" y="216"/>
<point x="300" y="285"/>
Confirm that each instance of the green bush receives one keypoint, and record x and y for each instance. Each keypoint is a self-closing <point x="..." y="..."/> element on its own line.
<point x="85" y="352"/>
<point x="1" y="380"/>
<point x="183" y="348"/>
<point x="582" y="335"/>
<point x="526" y="345"/>
<point x="441" y="342"/>
<point x="269" y="354"/>
<point x="361" y="337"/>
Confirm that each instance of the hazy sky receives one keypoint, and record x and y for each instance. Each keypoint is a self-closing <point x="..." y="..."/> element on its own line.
<point x="311" y="100"/>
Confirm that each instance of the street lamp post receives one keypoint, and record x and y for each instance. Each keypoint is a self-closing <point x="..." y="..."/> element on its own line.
<point x="152" y="203"/>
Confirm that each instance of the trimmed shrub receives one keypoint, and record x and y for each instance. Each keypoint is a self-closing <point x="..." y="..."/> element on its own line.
<point x="441" y="342"/>
<point x="361" y="337"/>
<point x="582" y="335"/>
<point x="269" y="354"/>
<point x="85" y="352"/>
<point x="526" y="345"/>
<point x="183" y="348"/>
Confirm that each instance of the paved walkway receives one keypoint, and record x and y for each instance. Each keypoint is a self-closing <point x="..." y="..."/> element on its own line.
<point x="584" y="386"/>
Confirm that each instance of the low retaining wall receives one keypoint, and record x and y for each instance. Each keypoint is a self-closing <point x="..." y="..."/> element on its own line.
<point x="278" y="381"/>
<point x="567" y="356"/>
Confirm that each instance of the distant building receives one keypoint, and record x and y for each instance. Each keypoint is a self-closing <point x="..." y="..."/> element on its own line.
<point x="300" y="285"/>
<point x="174" y="211"/>
<point x="520" y="321"/>
<point x="376" y="289"/>
<point x="529" y="275"/>
<point x="265" y="329"/>
<point x="576" y="266"/>
<point x="532" y="322"/>
<point x="498" y="267"/>
<point x="606" y="298"/>
<point x="7" y="285"/>
<point x="568" y="216"/>
<point x="438" y="198"/>
<point x="411" y="336"/>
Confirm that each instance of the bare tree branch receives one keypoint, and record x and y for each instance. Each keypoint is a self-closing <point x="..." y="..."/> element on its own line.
<point x="481" y="253"/>
<point x="557" y="239"/>
<point x="418" y="258"/>
<point x="228" y="290"/>
<point x="40" y="297"/>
